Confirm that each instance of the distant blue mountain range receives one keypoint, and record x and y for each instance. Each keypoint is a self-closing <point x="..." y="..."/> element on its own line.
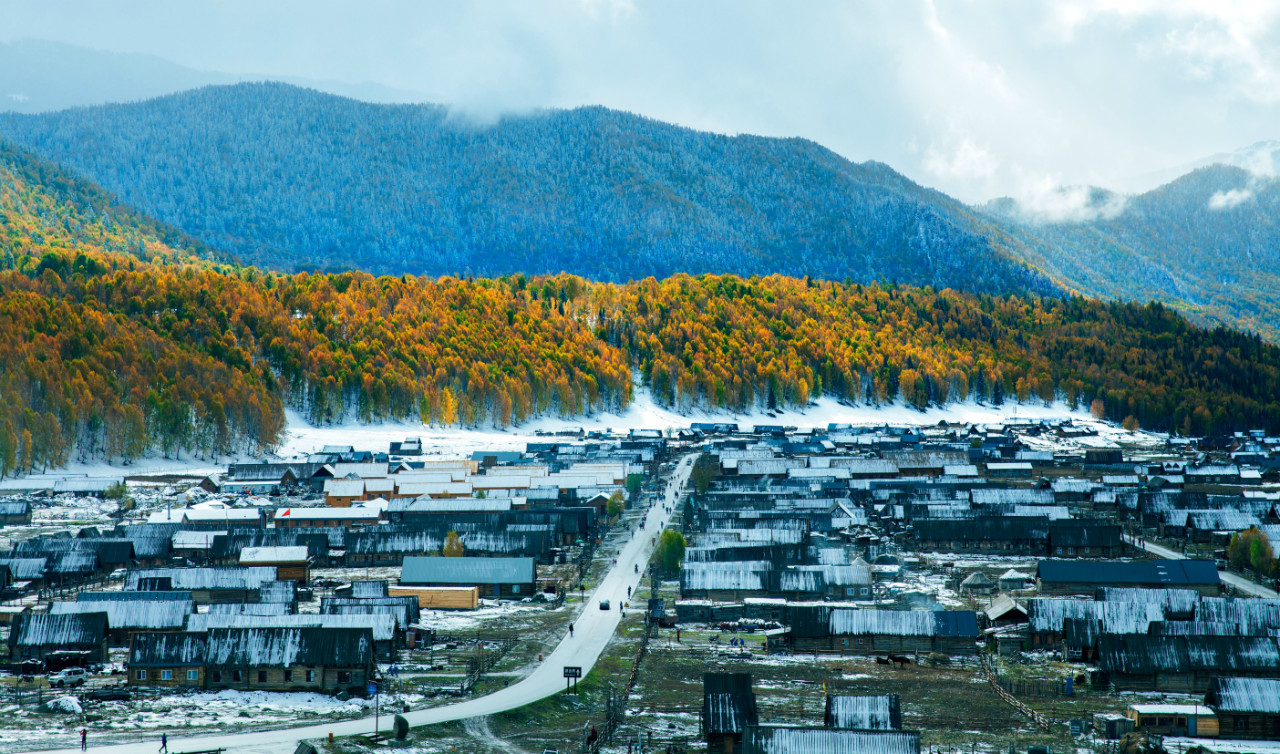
<point x="291" y="178"/>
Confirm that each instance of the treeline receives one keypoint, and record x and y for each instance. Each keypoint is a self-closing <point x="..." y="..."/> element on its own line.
<point x="729" y="342"/>
<point x="196" y="359"/>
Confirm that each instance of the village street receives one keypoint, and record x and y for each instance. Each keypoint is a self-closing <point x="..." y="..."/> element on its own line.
<point x="593" y="628"/>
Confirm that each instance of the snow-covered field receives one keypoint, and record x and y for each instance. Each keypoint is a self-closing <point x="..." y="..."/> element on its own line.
<point x="643" y="413"/>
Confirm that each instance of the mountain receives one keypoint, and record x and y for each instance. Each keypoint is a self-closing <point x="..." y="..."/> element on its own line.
<point x="38" y="76"/>
<point x="120" y="336"/>
<point x="1207" y="244"/>
<point x="288" y="178"/>
<point x="1261" y="158"/>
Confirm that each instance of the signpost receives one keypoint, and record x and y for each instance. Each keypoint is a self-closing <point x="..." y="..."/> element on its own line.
<point x="574" y="672"/>
<point x="373" y="692"/>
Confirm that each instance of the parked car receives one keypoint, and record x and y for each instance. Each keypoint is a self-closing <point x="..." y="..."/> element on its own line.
<point x="68" y="677"/>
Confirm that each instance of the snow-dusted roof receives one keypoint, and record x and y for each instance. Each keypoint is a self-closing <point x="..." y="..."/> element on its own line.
<point x="141" y="614"/>
<point x="264" y="555"/>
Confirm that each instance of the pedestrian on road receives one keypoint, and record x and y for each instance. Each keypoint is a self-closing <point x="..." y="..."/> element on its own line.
<point x="84" y="740"/>
<point x="164" y="743"/>
<point x="570" y="630"/>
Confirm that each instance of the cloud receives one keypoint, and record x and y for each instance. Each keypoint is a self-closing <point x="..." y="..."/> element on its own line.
<point x="1231" y="40"/>
<point x="963" y="159"/>
<point x="1229" y="199"/>
<point x="1043" y="200"/>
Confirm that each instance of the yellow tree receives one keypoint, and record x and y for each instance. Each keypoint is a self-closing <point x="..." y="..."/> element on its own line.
<point x="452" y="546"/>
<point x="448" y="408"/>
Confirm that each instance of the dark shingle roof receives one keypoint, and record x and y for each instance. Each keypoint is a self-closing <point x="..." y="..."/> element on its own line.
<point x="43" y="630"/>
<point x="281" y="647"/>
<point x="1170" y="572"/>
<point x="168" y="650"/>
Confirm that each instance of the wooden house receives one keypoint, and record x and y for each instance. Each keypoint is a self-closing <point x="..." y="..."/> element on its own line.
<point x="127" y="617"/>
<point x="1246" y="707"/>
<point x="15" y="512"/>
<point x="388" y="635"/>
<point x="1085" y="539"/>
<point x="206" y="585"/>
<point x="440" y="597"/>
<point x="292" y="563"/>
<point x="258" y="479"/>
<point x="326" y="516"/>
<point x="728" y="709"/>
<point x="290" y="659"/>
<point x="1183" y="664"/>
<point x="504" y="578"/>
<point x="1086" y="577"/>
<point x="1007" y="535"/>
<point x="35" y="635"/>
<point x="26" y="574"/>
<point x="849" y="631"/>
<point x="324" y="660"/>
<point x="168" y="660"/>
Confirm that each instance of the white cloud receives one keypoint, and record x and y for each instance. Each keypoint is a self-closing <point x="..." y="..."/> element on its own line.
<point x="963" y="159"/>
<point x="1229" y="199"/>
<point x="1043" y="199"/>
<point x="1233" y="40"/>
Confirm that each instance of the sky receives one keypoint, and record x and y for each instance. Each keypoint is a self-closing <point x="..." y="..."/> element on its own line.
<point x="977" y="98"/>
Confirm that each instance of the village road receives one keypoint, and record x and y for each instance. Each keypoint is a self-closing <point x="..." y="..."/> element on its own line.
<point x="593" y="628"/>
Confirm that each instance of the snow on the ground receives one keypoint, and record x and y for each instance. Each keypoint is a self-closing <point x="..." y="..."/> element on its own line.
<point x="643" y="413"/>
<point x="230" y="700"/>
<point x="1226" y="746"/>
<point x="444" y="621"/>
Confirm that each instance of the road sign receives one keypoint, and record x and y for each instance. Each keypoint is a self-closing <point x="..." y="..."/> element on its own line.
<point x="373" y="689"/>
<point x="572" y="671"/>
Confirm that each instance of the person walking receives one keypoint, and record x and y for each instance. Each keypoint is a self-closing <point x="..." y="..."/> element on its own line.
<point x="570" y="630"/>
<point x="84" y="740"/>
<point x="164" y="743"/>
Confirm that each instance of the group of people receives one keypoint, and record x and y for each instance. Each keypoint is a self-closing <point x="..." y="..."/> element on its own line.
<point x="164" y="741"/>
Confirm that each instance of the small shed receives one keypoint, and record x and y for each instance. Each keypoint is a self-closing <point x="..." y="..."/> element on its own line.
<point x="1174" y="719"/>
<point x="1013" y="580"/>
<point x="440" y="597"/>
<point x="978" y="583"/>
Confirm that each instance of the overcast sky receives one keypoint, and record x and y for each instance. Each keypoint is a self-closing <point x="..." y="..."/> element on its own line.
<point x="979" y="98"/>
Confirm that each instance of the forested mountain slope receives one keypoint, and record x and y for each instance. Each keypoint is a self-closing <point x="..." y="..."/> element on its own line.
<point x="120" y="337"/>
<point x="289" y="178"/>
<point x="1207" y="244"/>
